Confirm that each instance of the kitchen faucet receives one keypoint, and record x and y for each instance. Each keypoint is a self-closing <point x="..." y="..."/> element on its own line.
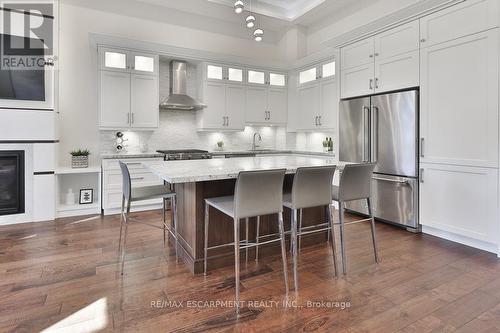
<point x="254" y="145"/>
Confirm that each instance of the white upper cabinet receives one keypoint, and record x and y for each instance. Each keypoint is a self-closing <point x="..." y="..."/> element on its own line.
<point x="144" y="112"/>
<point x="308" y="75"/>
<point x="214" y="72"/>
<point x="397" y="41"/>
<point x="256" y="77"/>
<point x="266" y="106"/>
<point x="114" y="99"/>
<point x="235" y="107"/>
<point x="393" y="62"/>
<point x="308" y="107"/>
<point x="358" y="54"/>
<point x="277" y="80"/>
<point x="464" y="19"/>
<point x="324" y="70"/>
<point x="256" y="107"/>
<point x="128" y="61"/>
<point x="128" y="89"/>
<point x="277" y="101"/>
<point x="459" y="101"/>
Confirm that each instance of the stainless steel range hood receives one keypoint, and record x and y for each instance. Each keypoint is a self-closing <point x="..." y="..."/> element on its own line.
<point x="179" y="99"/>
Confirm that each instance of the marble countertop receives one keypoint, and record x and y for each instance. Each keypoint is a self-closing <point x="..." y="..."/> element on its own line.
<point x="189" y="171"/>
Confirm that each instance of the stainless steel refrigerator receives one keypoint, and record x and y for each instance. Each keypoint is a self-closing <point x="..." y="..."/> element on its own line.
<point x="384" y="129"/>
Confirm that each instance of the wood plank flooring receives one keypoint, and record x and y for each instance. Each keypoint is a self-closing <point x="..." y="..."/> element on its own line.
<point x="63" y="276"/>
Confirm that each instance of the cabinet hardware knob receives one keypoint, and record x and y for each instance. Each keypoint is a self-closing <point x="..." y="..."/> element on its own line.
<point x="371" y="55"/>
<point x="422" y="40"/>
<point x="376" y="54"/>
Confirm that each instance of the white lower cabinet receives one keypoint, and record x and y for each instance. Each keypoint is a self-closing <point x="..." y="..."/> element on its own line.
<point x="460" y="200"/>
<point x="112" y="184"/>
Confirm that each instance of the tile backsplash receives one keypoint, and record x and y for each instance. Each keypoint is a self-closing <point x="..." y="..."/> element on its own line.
<point x="177" y="129"/>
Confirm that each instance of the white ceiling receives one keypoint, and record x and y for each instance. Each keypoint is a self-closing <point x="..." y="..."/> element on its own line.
<point x="218" y="15"/>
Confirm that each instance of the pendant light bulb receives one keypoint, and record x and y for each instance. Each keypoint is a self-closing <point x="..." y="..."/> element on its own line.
<point x="238" y="7"/>
<point x="250" y="20"/>
<point x="258" y="38"/>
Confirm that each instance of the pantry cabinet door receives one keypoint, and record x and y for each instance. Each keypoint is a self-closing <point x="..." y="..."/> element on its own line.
<point x="256" y="106"/>
<point x="358" y="81"/>
<point x="398" y="72"/>
<point x="144" y="101"/>
<point x="459" y="101"/>
<point x="114" y="99"/>
<point x="460" y="200"/>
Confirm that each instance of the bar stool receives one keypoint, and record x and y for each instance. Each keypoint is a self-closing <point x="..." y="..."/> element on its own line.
<point x="355" y="184"/>
<point x="256" y="193"/>
<point x="311" y="188"/>
<point x="133" y="194"/>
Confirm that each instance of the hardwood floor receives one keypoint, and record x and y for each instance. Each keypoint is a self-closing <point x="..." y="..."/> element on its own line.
<point x="64" y="275"/>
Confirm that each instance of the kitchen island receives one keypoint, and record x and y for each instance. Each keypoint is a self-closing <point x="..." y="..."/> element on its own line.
<point x="195" y="180"/>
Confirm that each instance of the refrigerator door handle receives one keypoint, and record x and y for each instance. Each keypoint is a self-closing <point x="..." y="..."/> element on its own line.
<point x="365" y="120"/>
<point x="402" y="182"/>
<point x="422" y="147"/>
<point x="374" y="141"/>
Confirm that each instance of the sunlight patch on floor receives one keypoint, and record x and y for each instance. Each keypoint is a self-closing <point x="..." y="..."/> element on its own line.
<point x="92" y="318"/>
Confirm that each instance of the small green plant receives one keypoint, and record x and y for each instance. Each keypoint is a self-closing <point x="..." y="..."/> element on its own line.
<point x="220" y="144"/>
<point x="80" y="152"/>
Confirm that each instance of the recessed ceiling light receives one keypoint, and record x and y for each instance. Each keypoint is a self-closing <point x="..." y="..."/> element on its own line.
<point x="238" y="7"/>
<point x="250" y="21"/>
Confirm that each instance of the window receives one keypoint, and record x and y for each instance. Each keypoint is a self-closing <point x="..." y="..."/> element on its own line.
<point x="256" y="77"/>
<point x="115" y="60"/>
<point x="214" y="72"/>
<point x="307" y="75"/>
<point x="144" y="64"/>
<point x="328" y="69"/>
<point x="277" y="79"/>
<point x="235" y="74"/>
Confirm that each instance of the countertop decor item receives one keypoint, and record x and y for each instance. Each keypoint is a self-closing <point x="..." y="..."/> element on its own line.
<point x="80" y="158"/>
<point x="86" y="196"/>
<point x="326" y="145"/>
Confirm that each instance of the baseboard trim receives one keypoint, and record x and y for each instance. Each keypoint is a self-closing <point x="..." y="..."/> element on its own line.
<point x="478" y="244"/>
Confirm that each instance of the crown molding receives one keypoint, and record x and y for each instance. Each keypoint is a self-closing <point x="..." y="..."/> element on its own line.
<point x="390" y="21"/>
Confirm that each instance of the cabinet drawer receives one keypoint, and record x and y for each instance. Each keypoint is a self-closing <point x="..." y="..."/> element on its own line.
<point x="465" y="19"/>
<point x="138" y="178"/>
<point x="132" y="163"/>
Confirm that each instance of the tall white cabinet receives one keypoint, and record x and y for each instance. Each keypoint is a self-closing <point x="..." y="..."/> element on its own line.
<point x="459" y="123"/>
<point x="128" y="90"/>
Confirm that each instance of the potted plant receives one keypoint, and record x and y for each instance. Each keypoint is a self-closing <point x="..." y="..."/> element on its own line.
<point x="220" y="145"/>
<point x="80" y="158"/>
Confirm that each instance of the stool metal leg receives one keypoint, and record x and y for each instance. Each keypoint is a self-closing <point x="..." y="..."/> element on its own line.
<point x="206" y="238"/>
<point x="301" y="214"/>
<point x="257" y="233"/>
<point x="237" y="263"/>
<point x="332" y="230"/>
<point x="121" y="225"/>
<point x="164" y="222"/>
<point x="329" y="220"/>
<point x="283" y="249"/>
<point x="370" y="211"/>
<point x="174" y="223"/>
<point x="125" y="236"/>
<point x="294" y="249"/>
<point x="342" y="237"/>
<point x="246" y="238"/>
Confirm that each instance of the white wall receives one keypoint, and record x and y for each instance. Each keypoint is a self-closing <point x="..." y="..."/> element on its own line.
<point x="78" y="64"/>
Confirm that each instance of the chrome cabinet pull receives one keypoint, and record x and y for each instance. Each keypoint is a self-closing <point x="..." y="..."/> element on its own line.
<point x="137" y="178"/>
<point x="227" y="120"/>
<point x="128" y="118"/>
<point x="403" y="182"/>
<point x="371" y="84"/>
<point x="421" y="175"/>
<point x="132" y="118"/>
<point x="422" y="147"/>
<point x="134" y="163"/>
<point x="319" y="121"/>
<point x="316" y="120"/>
<point x="376" y="82"/>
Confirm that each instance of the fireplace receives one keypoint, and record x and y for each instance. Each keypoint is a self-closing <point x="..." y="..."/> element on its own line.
<point x="11" y="182"/>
